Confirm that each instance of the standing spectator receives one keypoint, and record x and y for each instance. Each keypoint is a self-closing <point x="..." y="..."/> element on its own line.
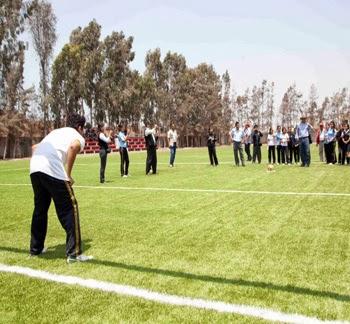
<point x="303" y="136"/>
<point x="346" y="144"/>
<point x="320" y="138"/>
<point x="257" y="135"/>
<point x="330" y="143"/>
<point x="237" y="136"/>
<point x="271" y="144"/>
<point x="290" y="144"/>
<point x="104" y="138"/>
<point x="123" y="151"/>
<point x="50" y="173"/>
<point x="211" y="140"/>
<point x="340" y="143"/>
<point x="151" y="138"/>
<point x="284" y="146"/>
<point x="172" y="139"/>
<point x="294" y="147"/>
<point x="247" y="140"/>
<point x="278" y="144"/>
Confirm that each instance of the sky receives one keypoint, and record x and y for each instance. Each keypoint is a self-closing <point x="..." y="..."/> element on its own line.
<point x="291" y="41"/>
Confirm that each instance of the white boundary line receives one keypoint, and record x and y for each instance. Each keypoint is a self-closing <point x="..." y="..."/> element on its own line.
<point x="125" y="290"/>
<point x="250" y="192"/>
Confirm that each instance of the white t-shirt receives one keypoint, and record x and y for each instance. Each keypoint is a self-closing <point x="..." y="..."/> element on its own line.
<point x="271" y="139"/>
<point x="50" y="155"/>
<point x="172" y="137"/>
<point x="284" y="139"/>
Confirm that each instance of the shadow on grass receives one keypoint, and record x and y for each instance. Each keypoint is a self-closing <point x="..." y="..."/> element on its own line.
<point x="56" y="252"/>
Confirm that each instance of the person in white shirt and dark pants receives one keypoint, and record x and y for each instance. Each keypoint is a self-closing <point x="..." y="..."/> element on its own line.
<point x="50" y="173"/>
<point x="172" y="139"/>
<point x="123" y="151"/>
<point x="237" y="136"/>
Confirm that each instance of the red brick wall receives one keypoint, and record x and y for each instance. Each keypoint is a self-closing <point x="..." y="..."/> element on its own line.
<point x="134" y="144"/>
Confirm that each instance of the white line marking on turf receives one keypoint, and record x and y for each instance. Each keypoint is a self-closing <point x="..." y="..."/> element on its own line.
<point x="218" y="306"/>
<point x="250" y="192"/>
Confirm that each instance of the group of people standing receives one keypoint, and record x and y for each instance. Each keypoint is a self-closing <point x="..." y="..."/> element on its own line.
<point x="106" y="136"/>
<point x="286" y="144"/>
<point x="328" y="137"/>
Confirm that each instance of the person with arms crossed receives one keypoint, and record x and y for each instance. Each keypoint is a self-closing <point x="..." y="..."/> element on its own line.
<point x="50" y="173"/>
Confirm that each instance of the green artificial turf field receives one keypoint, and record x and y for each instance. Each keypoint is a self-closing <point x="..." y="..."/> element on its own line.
<point x="289" y="253"/>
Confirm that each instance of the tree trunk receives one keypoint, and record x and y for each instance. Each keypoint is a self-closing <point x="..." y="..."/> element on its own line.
<point x="5" y="149"/>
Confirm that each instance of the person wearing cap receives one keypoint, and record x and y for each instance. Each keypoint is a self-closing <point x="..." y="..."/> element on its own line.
<point x="247" y="140"/>
<point x="303" y="135"/>
<point x="320" y="137"/>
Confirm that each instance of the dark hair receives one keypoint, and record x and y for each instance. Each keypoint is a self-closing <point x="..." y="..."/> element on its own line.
<point x="75" y="121"/>
<point x="255" y="126"/>
<point x="270" y="130"/>
<point x="100" y="126"/>
<point x="120" y="127"/>
<point x="237" y="123"/>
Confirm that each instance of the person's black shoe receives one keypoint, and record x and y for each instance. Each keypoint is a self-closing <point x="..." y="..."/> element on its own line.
<point x="43" y="251"/>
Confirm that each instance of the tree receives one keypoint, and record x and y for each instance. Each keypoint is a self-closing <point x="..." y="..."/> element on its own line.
<point x="11" y="52"/>
<point x="226" y="102"/>
<point x="174" y="69"/>
<point x="116" y="57"/>
<point x="65" y="90"/>
<point x="312" y="106"/>
<point x="42" y="24"/>
<point x="91" y="63"/>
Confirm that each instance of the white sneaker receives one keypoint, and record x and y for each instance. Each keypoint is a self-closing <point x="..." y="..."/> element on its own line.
<point x="125" y="176"/>
<point x="79" y="258"/>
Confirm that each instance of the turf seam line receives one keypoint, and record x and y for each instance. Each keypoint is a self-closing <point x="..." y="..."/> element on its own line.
<point x="250" y="192"/>
<point x="218" y="306"/>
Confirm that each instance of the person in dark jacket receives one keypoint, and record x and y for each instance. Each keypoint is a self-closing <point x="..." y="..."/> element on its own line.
<point x="340" y="143"/>
<point x="211" y="140"/>
<point x="257" y="135"/>
<point x="104" y="138"/>
<point x="151" y="138"/>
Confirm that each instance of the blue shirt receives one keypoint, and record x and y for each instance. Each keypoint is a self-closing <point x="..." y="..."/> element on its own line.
<point x="330" y="135"/>
<point x="278" y="138"/>
<point x="122" y="140"/>
<point x="303" y="130"/>
<point x="237" y="135"/>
